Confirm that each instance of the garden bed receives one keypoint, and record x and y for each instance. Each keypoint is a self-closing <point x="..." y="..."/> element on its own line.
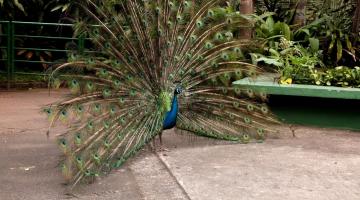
<point x="268" y="84"/>
<point x="322" y="106"/>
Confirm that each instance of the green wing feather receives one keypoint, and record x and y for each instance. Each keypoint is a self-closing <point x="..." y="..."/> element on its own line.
<point x="119" y="97"/>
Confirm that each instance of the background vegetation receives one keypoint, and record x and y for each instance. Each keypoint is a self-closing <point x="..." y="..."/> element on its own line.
<point x="305" y="41"/>
<point x="322" y="47"/>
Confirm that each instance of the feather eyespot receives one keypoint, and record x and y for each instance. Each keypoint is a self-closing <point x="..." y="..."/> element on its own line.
<point x="179" y="18"/>
<point x="199" y="23"/>
<point x="264" y="110"/>
<point x="250" y="107"/>
<point x="211" y="13"/>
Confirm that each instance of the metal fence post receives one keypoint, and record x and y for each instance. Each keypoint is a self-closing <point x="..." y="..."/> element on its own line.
<point x="8" y="43"/>
<point x="10" y="53"/>
<point x="12" y="37"/>
<point x="11" y="59"/>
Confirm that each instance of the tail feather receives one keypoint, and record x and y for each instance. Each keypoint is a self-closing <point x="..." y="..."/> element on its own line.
<point x="120" y="96"/>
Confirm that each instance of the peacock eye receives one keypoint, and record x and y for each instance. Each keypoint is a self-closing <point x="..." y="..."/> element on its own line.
<point x="211" y="13"/>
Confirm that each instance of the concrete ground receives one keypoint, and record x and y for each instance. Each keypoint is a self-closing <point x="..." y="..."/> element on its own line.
<point x="315" y="164"/>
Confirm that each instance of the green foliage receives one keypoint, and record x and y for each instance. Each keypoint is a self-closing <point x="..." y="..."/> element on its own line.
<point x="331" y="24"/>
<point x="284" y="10"/>
<point x="336" y="39"/>
<point x="314" y="50"/>
<point x="291" y="59"/>
<point x="300" y="65"/>
<point x="343" y="9"/>
<point x="341" y="76"/>
<point x="272" y="31"/>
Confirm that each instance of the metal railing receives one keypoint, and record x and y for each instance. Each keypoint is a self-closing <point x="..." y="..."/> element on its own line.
<point x="12" y="31"/>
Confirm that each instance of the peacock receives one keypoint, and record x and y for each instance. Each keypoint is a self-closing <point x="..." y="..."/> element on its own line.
<point x="156" y="65"/>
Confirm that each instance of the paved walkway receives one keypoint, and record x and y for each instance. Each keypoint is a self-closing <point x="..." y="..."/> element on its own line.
<point x="315" y="164"/>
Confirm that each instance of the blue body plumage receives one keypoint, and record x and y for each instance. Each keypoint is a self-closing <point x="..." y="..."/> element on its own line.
<point x="170" y="118"/>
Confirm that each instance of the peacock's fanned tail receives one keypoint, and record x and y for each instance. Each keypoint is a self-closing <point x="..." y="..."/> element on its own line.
<point x="120" y="95"/>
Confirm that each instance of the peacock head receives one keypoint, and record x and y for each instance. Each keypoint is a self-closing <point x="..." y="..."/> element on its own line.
<point x="178" y="89"/>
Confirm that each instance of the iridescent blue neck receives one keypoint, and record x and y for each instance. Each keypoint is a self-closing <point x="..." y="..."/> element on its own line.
<point x="170" y="117"/>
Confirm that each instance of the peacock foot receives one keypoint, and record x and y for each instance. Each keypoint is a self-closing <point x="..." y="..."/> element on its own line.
<point x="157" y="148"/>
<point x="162" y="149"/>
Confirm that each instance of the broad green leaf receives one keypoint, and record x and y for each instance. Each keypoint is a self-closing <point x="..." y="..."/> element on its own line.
<point x="274" y="52"/>
<point x="302" y="30"/>
<point x="305" y="31"/>
<point x="254" y="57"/>
<point x="270" y="61"/>
<point x="270" y="24"/>
<point x="333" y="40"/>
<point x="349" y="45"/>
<point x="274" y="37"/>
<point x="286" y="51"/>
<point x="317" y="22"/>
<point x="339" y="50"/>
<point x="263" y="16"/>
<point x="314" y="44"/>
<point x="283" y="29"/>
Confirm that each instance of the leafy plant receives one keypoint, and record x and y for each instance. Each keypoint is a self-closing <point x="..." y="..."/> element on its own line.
<point x="341" y="76"/>
<point x="300" y="65"/>
<point x="269" y="29"/>
<point x="292" y="60"/>
<point x="284" y="10"/>
<point x="335" y="33"/>
<point x="272" y="31"/>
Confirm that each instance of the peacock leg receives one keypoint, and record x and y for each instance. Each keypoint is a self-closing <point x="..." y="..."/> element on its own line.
<point x="152" y="145"/>
<point x="160" y="138"/>
<point x="161" y="148"/>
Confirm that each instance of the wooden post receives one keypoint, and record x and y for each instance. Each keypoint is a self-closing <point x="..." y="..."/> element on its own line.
<point x="356" y="19"/>
<point x="246" y="7"/>
<point x="300" y="18"/>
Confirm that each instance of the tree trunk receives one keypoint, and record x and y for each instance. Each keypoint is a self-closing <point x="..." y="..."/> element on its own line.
<point x="246" y="7"/>
<point x="356" y="19"/>
<point x="300" y="17"/>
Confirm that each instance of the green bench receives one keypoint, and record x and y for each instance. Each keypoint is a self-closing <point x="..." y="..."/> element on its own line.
<point x="323" y="106"/>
